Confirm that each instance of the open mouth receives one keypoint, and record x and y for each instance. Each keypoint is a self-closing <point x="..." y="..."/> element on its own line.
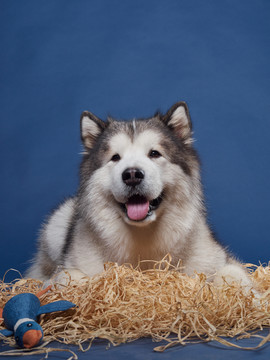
<point x="138" y="207"/>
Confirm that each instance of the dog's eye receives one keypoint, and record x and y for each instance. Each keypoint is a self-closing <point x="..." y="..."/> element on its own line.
<point x="154" y="154"/>
<point x="115" y="157"/>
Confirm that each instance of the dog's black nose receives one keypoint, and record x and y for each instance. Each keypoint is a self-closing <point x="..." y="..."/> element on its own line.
<point x="132" y="176"/>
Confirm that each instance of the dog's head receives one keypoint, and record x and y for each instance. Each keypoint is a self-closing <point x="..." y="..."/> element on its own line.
<point x="139" y="165"/>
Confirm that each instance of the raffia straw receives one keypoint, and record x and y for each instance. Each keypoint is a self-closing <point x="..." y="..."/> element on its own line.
<point x="37" y="351"/>
<point x="123" y="304"/>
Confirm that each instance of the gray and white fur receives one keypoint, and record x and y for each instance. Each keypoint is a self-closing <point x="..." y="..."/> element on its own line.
<point x="140" y="198"/>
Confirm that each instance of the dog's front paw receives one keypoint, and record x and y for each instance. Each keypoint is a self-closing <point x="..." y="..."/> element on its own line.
<point x="233" y="273"/>
<point x="236" y="274"/>
<point x="65" y="276"/>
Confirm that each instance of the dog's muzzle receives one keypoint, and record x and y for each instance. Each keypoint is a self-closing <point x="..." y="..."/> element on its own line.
<point x="138" y="207"/>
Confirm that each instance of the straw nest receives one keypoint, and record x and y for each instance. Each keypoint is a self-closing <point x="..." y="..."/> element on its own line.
<point x="123" y="304"/>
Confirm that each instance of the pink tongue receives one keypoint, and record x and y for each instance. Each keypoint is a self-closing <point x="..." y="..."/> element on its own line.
<point x="137" y="210"/>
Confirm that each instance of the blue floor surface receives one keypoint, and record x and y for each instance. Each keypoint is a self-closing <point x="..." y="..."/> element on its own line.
<point x="143" y="349"/>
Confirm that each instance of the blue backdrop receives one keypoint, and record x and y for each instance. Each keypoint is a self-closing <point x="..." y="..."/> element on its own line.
<point x="130" y="58"/>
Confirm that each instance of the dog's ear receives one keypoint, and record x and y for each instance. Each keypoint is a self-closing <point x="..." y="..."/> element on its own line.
<point x="177" y="118"/>
<point x="91" y="128"/>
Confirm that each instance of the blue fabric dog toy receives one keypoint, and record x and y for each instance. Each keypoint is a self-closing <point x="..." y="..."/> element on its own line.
<point x="21" y="314"/>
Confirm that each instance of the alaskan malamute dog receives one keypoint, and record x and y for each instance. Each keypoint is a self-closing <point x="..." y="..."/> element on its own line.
<point x="140" y="198"/>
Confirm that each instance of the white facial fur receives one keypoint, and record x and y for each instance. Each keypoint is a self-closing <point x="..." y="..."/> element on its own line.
<point x="135" y="155"/>
<point x="159" y="172"/>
